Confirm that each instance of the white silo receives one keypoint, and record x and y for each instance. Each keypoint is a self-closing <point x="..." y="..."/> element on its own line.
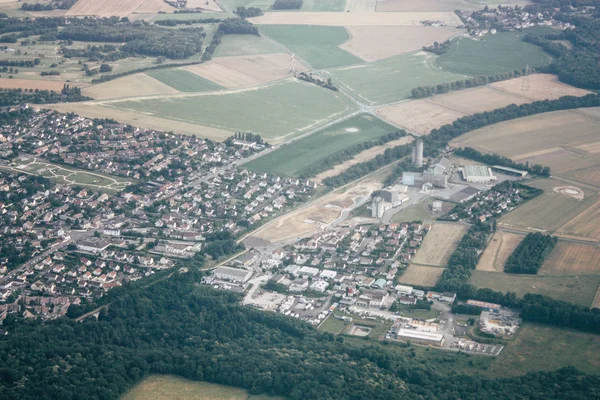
<point x="419" y="157"/>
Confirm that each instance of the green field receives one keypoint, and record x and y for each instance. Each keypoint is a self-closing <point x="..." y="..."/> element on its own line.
<point x="231" y="5"/>
<point x="245" y="45"/>
<point x="417" y="212"/>
<point x="493" y="54"/>
<point x="170" y="387"/>
<point x="579" y="289"/>
<point x="282" y="109"/>
<point x="292" y="158"/>
<point x="183" y="80"/>
<point x="540" y="347"/>
<point x="317" y="45"/>
<point x="323" y="5"/>
<point x="332" y="325"/>
<point x="392" y="79"/>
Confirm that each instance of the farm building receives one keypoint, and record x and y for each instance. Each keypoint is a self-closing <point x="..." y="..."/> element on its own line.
<point x="509" y="171"/>
<point x="427" y="338"/>
<point x="485" y="306"/>
<point x="235" y="275"/>
<point x="477" y="174"/>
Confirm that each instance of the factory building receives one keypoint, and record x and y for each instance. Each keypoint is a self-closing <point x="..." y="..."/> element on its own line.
<point x="235" y="275"/>
<point x="417" y="154"/>
<point x="477" y="174"/>
<point x="436" y="175"/>
<point x="426" y="338"/>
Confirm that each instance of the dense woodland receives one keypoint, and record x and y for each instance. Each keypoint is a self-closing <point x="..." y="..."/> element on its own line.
<point x="497" y="159"/>
<point x="530" y="254"/>
<point x="178" y="327"/>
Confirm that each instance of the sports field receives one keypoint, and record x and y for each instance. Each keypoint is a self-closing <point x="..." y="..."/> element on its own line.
<point x="500" y="247"/>
<point x="170" y="387"/>
<point x="294" y="158"/>
<point x="183" y="80"/>
<point x="438" y="245"/>
<point x="421" y="276"/>
<point x="576" y="288"/>
<point x="317" y="45"/>
<point x="241" y="45"/>
<point x="391" y="79"/>
<point x="275" y="112"/>
<point x="493" y="54"/>
<point x="572" y="258"/>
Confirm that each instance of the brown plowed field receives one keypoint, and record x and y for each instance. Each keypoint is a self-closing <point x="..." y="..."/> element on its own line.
<point x="498" y="250"/>
<point x="571" y="259"/>
<point x="372" y="43"/>
<point x="246" y="71"/>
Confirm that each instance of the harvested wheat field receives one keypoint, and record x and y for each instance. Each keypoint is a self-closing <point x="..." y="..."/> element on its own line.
<point x="421" y="276"/>
<point x="246" y="71"/>
<point x="498" y="250"/>
<point x="476" y="100"/>
<point x="34" y="84"/>
<point x="590" y="176"/>
<point x="572" y="258"/>
<point x="141" y="120"/>
<point x="355" y="19"/>
<point x="154" y="7"/>
<point x="128" y="86"/>
<point x="105" y="8"/>
<point x="585" y="225"/>
<point x="439" y="244"/>
<point x="539" y="87"/>
<point x="418" y="116"/>
<point x="372" y="43"/>
<point x="363" y="156"/>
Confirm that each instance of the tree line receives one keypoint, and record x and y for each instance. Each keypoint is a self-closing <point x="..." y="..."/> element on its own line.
<point x="438" y="48"/>
<point x="12" y="97"/>
<point x="530" y="254"/>
<point x="327" y="84"/>
<point x="426" y="91"/>
<point x="497" y="159"/>
<point x="249" y="12"/>
<point x="175" y="22"/>
<point x="229" y="26"/>
<point x="287" y="4"/>
<point x="177" y="327"/>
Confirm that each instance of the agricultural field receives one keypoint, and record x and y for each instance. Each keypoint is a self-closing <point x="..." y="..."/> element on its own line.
<point x="357" y="6"/>
<point x="373" y="43"/>
<point x="586" y="224"/>
<point x="547" y="348"/>
<point x="169" y="387"/>
<point x="493" y="54"/>
<point x="119" y="8"/>
<point x="571" y="259"/>
<point x="57" y="86"/>
<point x="391" y="79"/>
<point x="323" y="5"/>
<point x="363" y="156"/>
<point x="68" y="175"/>
<point x="500" y="247"/>
<point x="550" y="211"/>
<point x="538" y="87"/>
<point x="542" y="140"/>
<point x="576" y="288"/>
<point x="355" y="19"/>
<point x="293" y="158"/>
<point x="244" y="45"/>
<point x="441" y="5"/>
<point x="420" y="275"/>
<point x="128" y="86"/>
<point x="183" y="80"/>
<point x="233" y="4"/>
<point x="305" y="106"/>
<point x="245" y="71"/>
<point x="438" y="245"/>
<point x="418" y="116"/>
<point x="317" y="45"/>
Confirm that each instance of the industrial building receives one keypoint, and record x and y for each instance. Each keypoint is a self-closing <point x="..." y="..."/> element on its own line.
<point x="388" y="198"/>
<point x="234" y="275"/>
<point x="377" y="207"/>
<point x="509" y="171"/>
<point x="484" y="305"/>
<point x="418" y="337"/>
<point x="477" y="174"/>
<point x="417" y="154"/>
<point x="436" y="175"/>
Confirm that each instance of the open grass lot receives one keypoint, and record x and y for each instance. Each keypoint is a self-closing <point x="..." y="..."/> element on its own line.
<point x="317" y="45"/>
<point x="572" y="258"/>
<point x="550" y="211"/>
<point x="391" y="79"/>
<point x="416" y="212"/>
<point x="128" y="86"/>
<point x="408" y="312"/>
<point x="579" y="289"/>
<point x="421" y="276"/>
<point x="540" y="347"/>
<point x="183" y="80"/>
<point x="242" y="45"/>
<point x="169" y="387"/>
<point x="274" y="112"/>
<point x="68" y="175"/>
<point x="439" y="244"/>
<point x="332" y="325"/>
<point x="493" y="54"/>
<point x="292" y="158"/>
<point x="500" y="247"/>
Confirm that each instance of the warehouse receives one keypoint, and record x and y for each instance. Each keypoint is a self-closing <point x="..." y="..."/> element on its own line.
<point x="509" y="171"/>
<point x="418" y="337"/>
<point x="484" y="305"/>
<point x="477" y="174"/>
<point x="232" y="274"/>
